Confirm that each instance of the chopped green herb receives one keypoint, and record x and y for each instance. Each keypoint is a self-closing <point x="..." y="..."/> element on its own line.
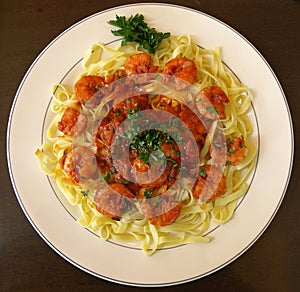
<point x="202" y="171"/>
<point x="85" y="193"/>
<point x="229" y="143"/>
<point x="211" y="109"/>
<point x="118" y="113"/>
<point x="125" y="182"/>
<point x="130" y="112"/>
<point x="241" y="144"/>
<point x="173" y="161"/>
<point x="230" y="151"/>
<point x="135" y="29"/>
<point x="107" y="176"/>
<point x="143" y="143"/>
<point x="228" y="162"/>
<point x="147" y="193"/>
<point x="146" y="142"/>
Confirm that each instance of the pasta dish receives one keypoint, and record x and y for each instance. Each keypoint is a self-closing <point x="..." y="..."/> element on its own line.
<point x="152" y="148"/>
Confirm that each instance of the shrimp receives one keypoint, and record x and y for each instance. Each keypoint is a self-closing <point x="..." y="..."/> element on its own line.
<point x="211" y="101"/>
<point x="105" y="132"/>
<point x="113" y="200"/>
<point x="87" y="90"/>
<point x="230" y="150"/>
<point x="138" y="64"/>
<point x="161" y="210"/>
<point x="210" y="184"/>
<point x="140" y="172"/>
<point x="133" y="103"/>
<point x="116" y="76"/>
<point x="80" y="164"/>
<point x="140" y="166"/>
<point x="192" y="121"/>
<point x="154" y="177"/>
<point x="186" y="114"/>
<point x="182" y="68"/>
<point x="161" y="102"/>
<point x="170" y="150"/>
<point x="103" y="156"/>
<point x="73" y="122"/>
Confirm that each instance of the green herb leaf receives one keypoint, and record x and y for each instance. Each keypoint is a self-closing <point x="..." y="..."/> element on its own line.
<point x="173" y="161"/>
<point x="147" y="193"/>
<point x="202" y="171"/>
<point x="125" y="182"/>
<point x="135" y="29"/>
<point x="241" y="142"/>
<point x="107" y="176"/>
<point x="230" y="151"/>
<point x="211" y="109"/>
<point x="85" y="193"/>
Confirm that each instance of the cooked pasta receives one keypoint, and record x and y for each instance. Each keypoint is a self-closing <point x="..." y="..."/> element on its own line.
<point x="191" y="209"/>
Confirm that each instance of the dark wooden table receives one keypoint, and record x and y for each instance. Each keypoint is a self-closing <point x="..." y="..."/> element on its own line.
<point x="26" y="261"/>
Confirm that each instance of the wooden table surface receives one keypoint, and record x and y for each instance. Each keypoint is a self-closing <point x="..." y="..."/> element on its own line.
<point x="27" y="263"/>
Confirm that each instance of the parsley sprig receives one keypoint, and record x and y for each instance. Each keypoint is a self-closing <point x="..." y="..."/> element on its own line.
<point x="135" y="29"/>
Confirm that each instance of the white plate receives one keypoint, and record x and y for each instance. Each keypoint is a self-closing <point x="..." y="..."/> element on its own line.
<point x="125" y="265"/>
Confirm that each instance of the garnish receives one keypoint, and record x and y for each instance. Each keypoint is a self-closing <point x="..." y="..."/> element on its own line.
<point x="85" y="193"/>
<point x="147" y="193"/>
<point x="173" y="161"/>
<point x="211" y="109"/>
<point x="107" y="176"/>
<point x="130" y="112"/>
<point x="145" y="142"/>
<point x="229" y="143"/>
<point x="241" y="142"/>
<point x="202" y="171"/>
<point x="125" y="182"/>
<point x="148" y="141"/>
<point x="135" y="29"/>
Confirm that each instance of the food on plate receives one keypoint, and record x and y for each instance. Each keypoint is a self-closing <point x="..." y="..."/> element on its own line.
<point x="152" y="146"/>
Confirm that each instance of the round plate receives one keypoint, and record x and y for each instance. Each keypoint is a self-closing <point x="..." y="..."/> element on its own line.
<point x="121" y="264"/>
